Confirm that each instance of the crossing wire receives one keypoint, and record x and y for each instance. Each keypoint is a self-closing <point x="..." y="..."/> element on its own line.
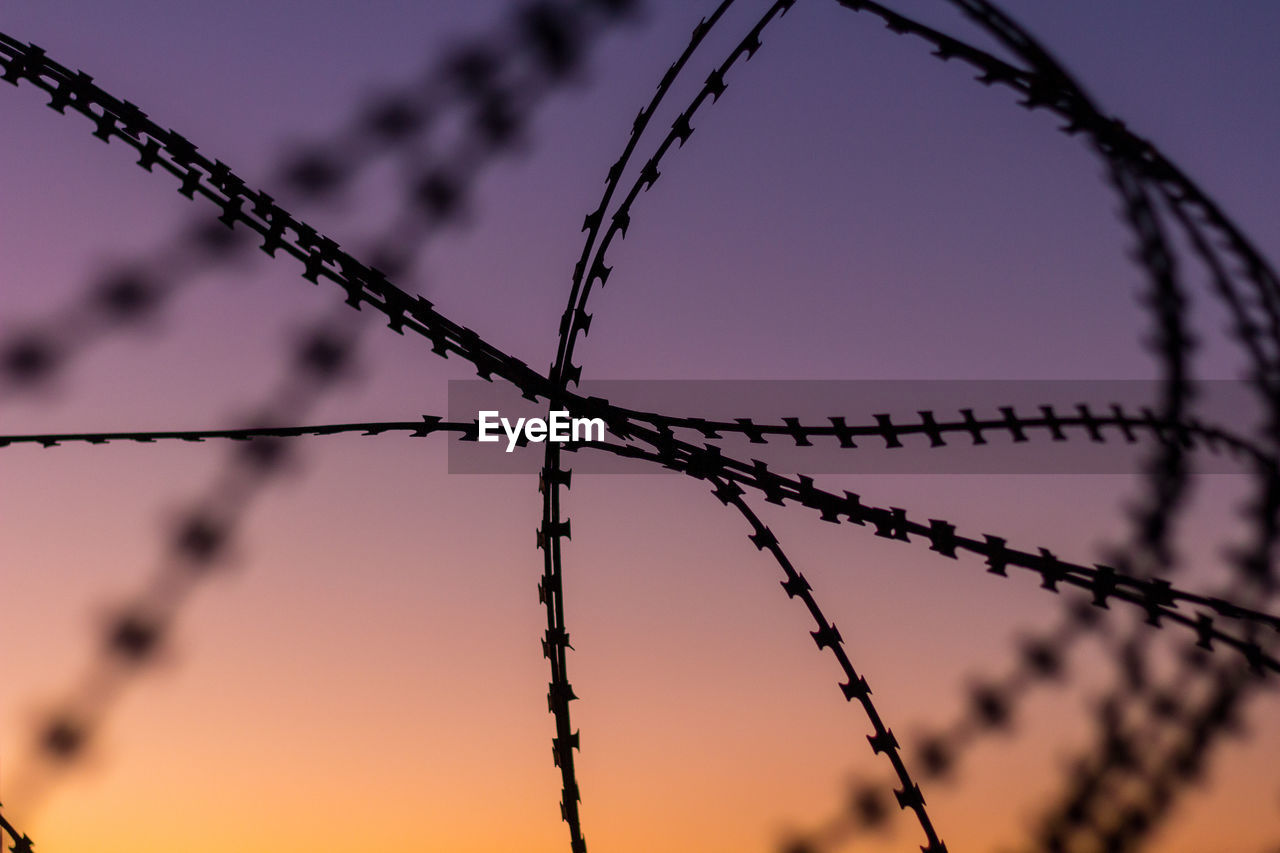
<point x="554" y="37"/>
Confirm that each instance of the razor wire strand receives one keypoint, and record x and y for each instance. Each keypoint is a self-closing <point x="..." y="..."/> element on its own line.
<point x="1046" y="90"/>
<point x="553" y="529"/>
<point x="1173" y="343"/>
<point x="21" y="843"/>
<point x="437" y="191"/>
<point x="990" y="705"/>
<point x="427" y="425"/>
<point x="893" y="523"/>
<point x="574" y="315"/>
<point x="1149" y="162"/>
<point x="1130" y="426"/>
<point x="1052" y="88"/>
<point x="987" y="702"/>
<point x="1166" y="469"/>
<point x="1188" y="201"/>
<point x="1050" y="422"/>
<point x="1099" y="809"/>
<point x="543" y="33"/>
<point x="990" y="708"/>
<point x="555" y="643"/>
<point x="1255" y="562"/>
<point x="1076" y="816"/>
<point x="668" y="461"/>
<point x="1103" y="583"/>
<point x="1106" y="577"/>
<point x="941" y="537"/>
<point x="1039" y="93"/>
<point x="575" y="320"/>
<point x="134" y="637"/>
<point x="1165" y="476"/>
<point x="320" y="256"/>
<point x="883" y="741"/>
<point x="1183" y="194"/>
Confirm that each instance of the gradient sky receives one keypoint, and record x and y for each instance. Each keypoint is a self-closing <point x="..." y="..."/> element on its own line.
<point x="370" y="674"/>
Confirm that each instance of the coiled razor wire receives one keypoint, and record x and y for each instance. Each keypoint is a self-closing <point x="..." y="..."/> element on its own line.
<point x="494" y="89"/>
<point x="1152" y="737"/>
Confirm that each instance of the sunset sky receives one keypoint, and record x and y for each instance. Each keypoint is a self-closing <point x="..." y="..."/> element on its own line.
<point x="369" y="675"/>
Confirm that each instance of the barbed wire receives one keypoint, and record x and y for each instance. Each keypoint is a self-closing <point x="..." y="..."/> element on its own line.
<point x="554" y="36"/>
<point x="1148" y="552"/>
<point x="473" y="77"/>
<point x="1104" y="583"/>
<point x="1141" y="176"/>
<point x="883" y="742"/>
<point x="1018" y="428"/>
<point x="1128" y="425"/>
<point x="1101" y="581"/>
<point x="429" y="425"/>
<point x="21" y="843"/>
<point x="1079" y="814"/>
<point x="1166" y="477"/>
<point x="553" y="476"/>
<point x="1150" y="546"/>
<point x="992" y="707"/>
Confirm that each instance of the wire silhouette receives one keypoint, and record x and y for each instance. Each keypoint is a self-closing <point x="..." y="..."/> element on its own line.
<point x="1152" y="734"/>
